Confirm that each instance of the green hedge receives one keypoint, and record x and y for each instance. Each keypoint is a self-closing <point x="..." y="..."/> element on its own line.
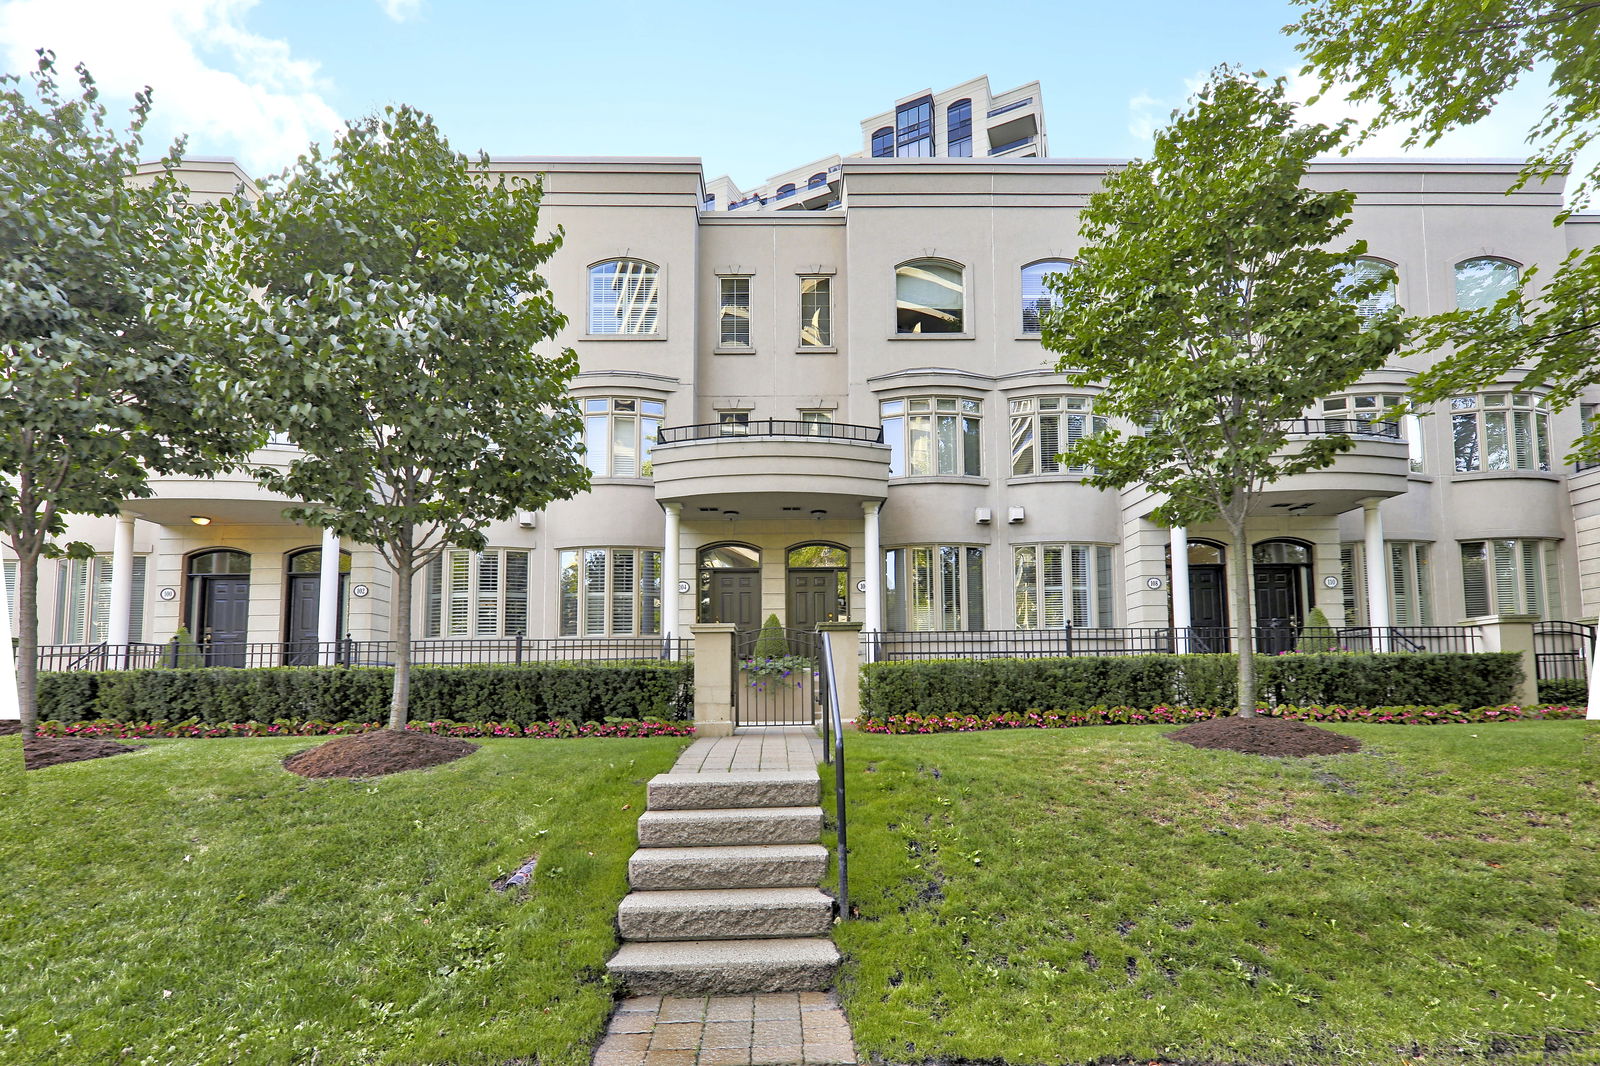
<point x="1573" y="691"/>
<point x="1001" y="686"/>
<point x="578" y="692"/>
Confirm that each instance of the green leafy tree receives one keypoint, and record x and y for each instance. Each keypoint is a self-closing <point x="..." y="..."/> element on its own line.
<point x="93" y="395"/>
<point x="384" y="304"/>
<point x="1211" y="301"/>
<point x="1432" y="66"/>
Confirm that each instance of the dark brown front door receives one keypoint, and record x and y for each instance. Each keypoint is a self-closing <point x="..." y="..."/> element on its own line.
<point x="813" y="598"/>
<point x="1208" y="607"/>
<point x="224" y="618"/>
<point x="736" y="597"/>
<point x="1279" y="599"/>
<point x="300" y="635"/>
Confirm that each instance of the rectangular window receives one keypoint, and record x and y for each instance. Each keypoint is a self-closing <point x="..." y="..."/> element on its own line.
<point x="609" y="592"/>
<point x="1410" y="584"/>
<point x="933" y="435"/>
<point x="913" y="124"/>
<point x="477" y="594"/>
<point x="1057" y="584"/>
<point x="933" y="588"/>
<point x="1500" y="431"/>
<point x="619" y="433"/>
<point x="734" y="423"/>
<point x="818" y="423"/>
<point x="1511" y="577"/>
<point x="816" y="312"/>
<point x="83" y="604"/>
<point x="734" y="314"/>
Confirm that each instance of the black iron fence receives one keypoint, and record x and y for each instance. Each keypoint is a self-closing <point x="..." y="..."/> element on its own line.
<point x="1561" y="649"/>
<point x="1083" y="641"/>
<point x="441" y="652"/>
<point x="772" y="427"/>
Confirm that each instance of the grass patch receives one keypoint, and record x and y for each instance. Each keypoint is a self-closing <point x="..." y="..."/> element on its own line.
<point x="195" y="903"/>
<point x="1081" y="895"/>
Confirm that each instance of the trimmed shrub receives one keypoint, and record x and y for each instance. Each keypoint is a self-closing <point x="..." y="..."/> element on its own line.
<point x="1573" y="690"/>
<point x="292" y="728"/>
<point x="539" y="692"/>
<point x="1317" y="636"/>
<point x="982" y="687"/>
<point x="770" y="643"/>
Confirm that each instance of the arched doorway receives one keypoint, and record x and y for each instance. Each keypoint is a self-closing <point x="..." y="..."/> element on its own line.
<point x="818" y="577"/>
<point x="730" y="586"/>
<point x="219" y="604"/>
<point x="1208" y="595"/>
<point x="1282" y="574"/>
<point x="302" y="604"/>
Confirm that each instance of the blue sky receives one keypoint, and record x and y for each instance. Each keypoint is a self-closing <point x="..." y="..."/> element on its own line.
<point x="751" y="88"/>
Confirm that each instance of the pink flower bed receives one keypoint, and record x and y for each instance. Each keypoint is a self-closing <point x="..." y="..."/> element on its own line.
<point x="1443" y="715"/>
<point x="191" y="729"/>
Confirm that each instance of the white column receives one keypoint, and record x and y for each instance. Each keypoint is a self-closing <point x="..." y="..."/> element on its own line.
<point x="1593" y="713"/>
<point x="121" y="607"/>
<point x="10" y="701"/>
<point x="1377" y="574"/>
<point x="328" y="599"/>
<point x="874" y="568"/>
<point x="669" y="570"/>
<point x="1181" y="617"/>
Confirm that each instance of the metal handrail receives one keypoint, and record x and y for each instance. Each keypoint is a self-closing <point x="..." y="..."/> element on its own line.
<point x="835" y="719"/>
<point x="1342" y="427"/>
<point x="98" y="649"/>
<point x="771" y="427"/>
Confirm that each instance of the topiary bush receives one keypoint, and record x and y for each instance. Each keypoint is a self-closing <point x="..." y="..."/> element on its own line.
<point x="539" y="692"/>
<point x="770" y="644"/>
<point x="983" y="687"/>
<point x="1317" y="636"/>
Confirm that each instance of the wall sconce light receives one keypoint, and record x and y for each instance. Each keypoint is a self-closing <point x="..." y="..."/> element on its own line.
<point x="819" y="515"/>
<point x="731" y="515"/>
<point x="200" y="519"/>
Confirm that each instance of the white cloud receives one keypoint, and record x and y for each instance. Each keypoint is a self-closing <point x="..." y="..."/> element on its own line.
<point x="400" y="10"/>
<point x="234" y="92"/>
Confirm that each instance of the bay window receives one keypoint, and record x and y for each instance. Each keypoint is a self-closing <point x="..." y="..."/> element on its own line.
<point x="1358" y="410"/>
<point x="477" y="594"/>
<point x="1410" y="583"/>
<point x="83" y="599"/>
<point x="618" y="434"/>
<point x="1511" y="577"/>
<point x="1500" y="431"/>
<point x="1042" y="427"/>
<point x="933" y="435"/>
<point x="934" y="588"/>
<point x="1055" y="584"/>
<point x="610" y="592"/>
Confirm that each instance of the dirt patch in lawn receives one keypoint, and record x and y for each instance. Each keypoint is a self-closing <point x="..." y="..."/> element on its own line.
<point x="1266" y="736"/>
<point x="10" y="728"/>
<point x="39" y="752"/>
<point x="384" y="751"/>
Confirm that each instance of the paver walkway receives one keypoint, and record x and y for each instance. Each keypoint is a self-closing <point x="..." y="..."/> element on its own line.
<point x="766" y="1029"/>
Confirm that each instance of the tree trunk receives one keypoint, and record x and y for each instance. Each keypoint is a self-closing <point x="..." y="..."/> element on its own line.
<point x="400" y="629"/>
<point x="28" y="639"/>
<point x="1243" y="618"/>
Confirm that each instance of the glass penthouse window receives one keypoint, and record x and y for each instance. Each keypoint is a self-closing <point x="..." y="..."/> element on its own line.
<point x="913" y="129"/>
<point x="958" y="127"/>
<point x="883" y="143"/>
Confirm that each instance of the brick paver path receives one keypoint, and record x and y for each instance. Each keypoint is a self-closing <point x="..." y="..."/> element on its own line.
<point x="769" y="1029"/>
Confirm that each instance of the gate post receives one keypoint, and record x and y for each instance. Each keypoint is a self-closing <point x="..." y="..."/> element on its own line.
<point x="713" y="678"/>
<point x="844" y="644"/>
<point x="1513" y="632"/>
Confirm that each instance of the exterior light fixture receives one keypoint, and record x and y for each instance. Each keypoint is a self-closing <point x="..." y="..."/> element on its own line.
<point x="819" y="515"/>
<point x="731" y="515"/>
<point x="200" y="519"/>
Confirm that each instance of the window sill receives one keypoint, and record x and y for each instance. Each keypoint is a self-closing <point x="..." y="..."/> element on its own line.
<point x="622" y="337"/>
<point x="1030" y="479"/>
<point x="820" y="349"/>
<point x="939" y="479"/>
<point x="724" y="349"/>
<point x="620" y="481"/>
<point x="1506" y="475"/>
<point x="933" y="336"/>
<point x="1034" y="337"/>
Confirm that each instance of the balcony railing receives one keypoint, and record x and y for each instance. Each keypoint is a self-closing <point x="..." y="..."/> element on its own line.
<point x="512" y="651"/>
<point x="1074" y="641"/>
<point x="1012" y="106"/>
<point x="1002" y="149"/>
<point x="1336" y="427"/>
<point x="772" y="427"/>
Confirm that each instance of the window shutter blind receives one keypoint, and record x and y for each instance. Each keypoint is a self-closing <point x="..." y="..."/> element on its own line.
<point x="1552" y="581"/>
<point x="434" y="617"/>
<point x="1474" y="578"/>
<point x="11" y="591"/>
<point x="974" y="593"/>
<point x="1103" y="587"/>
<point x="100" y="602"/>
<point x="136" y="604"/>
<point x="1349" y="571"/>
<point x="1050" y="443"/>
<point x="622" y="589"/>
<point x="1400" y="580"/>
<point x="1505" y="575"/>
<point x="1424" y="586"/>
<point x="516" y="594"/>
<point x="950" y="588"/>
<point x="459" y="564"/>
<point x="650" y="593"/>
<point x="488" y="605"/>
<point x="922" y="594"/>
<point x="594" y="598"/>
<point x="1054" y="593"/>
<point x="1533" y="598"/>
<point x="1080" y="586"/>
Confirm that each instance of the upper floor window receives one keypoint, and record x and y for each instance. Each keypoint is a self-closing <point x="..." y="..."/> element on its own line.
<point x="958" y="127"/>
<point x="883" y="142"/>
<point x="930" y="297"/>
<point x="624" y="297"/>
<point x="913" y="129"/>
<point x="1361" y="409"/>
<point x="1377" y="303"/>
<point x="733" y="329"/>
<point x="1500" y="431"/>
<point x="610" y="592"/>
<point x="83" y="605"/>
<point x="1057" y="584"/>
<point x="1042" y="427"/>
<point x="1481" y="283"/>
<point x="708" y="204"/>
<point x="816" y="312"/>
<point x="934" y="587"/>
<point x="482" y="594"/>
<point x="1511" y="577"/>
<point x="734" y="423"/>
<point x="785" y="191"/>
<point x="817" y="181"/>
<point x="933" y="435"/>
<point x="1037" y="297"/>
<point x="618" y="433"/>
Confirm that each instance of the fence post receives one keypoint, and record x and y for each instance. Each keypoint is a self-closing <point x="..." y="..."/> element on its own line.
<point x="1513" y="633"/>
<point x="713" y="678"/>
<point x="844" y="642"/>
<point x="519" y="649"/>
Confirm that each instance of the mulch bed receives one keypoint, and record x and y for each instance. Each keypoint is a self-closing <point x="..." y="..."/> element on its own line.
<point x="384" y="751"/>
<point x="1266" y="736"/>
<point x="10" y="727"/>
<point x="39" y="752"/>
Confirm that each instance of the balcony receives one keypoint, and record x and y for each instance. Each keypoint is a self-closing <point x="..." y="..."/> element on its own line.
<point x="770" y="468"/>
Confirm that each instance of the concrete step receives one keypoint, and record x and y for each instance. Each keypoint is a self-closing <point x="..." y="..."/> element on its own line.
<point x="730" y="825"/>
<point x="725" y="967"/>
<point x="725" y="914"/>
<point x="745" y="866"/>
<point x="771" y="788"/>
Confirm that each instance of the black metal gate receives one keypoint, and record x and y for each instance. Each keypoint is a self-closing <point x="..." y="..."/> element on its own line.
<point x="775" y="685"/>
<point x="1561" y="649"/>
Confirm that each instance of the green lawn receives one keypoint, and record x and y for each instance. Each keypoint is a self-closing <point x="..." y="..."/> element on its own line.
<point x="195" y="903"/>
<point x="1070" y="895"/>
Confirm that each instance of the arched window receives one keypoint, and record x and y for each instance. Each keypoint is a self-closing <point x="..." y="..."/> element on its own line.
<point x="785" y="191"/>
<point x="883" y="142"/>
<point x="624" y="297"/>
<point x="958" y="128"/>
<point x="817" y="181"/>
<point x="219" y="561"/>
<point x="1037" y="297"/>
<point x="930" y="297"/>
<point x="1378" y="302"/>
<point x="818" y="557"/>
<point x="1281" y="552"/>
<point x="1481" y="283"/>
<point x="730" y="557"/>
